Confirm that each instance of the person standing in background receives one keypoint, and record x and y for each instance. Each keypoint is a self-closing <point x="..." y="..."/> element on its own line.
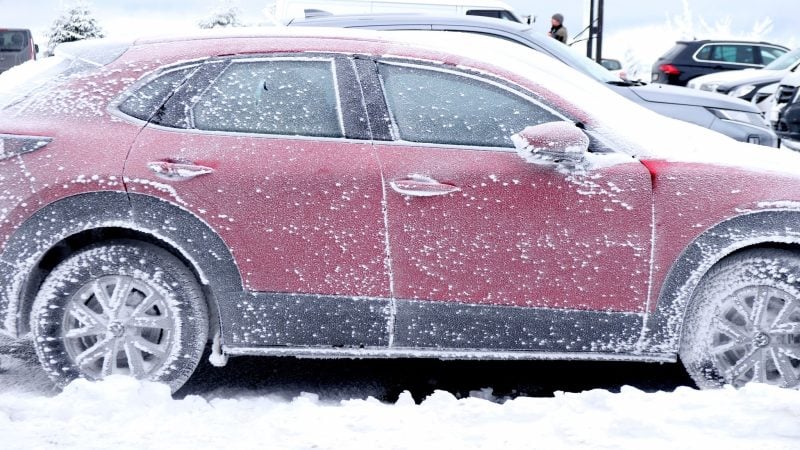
<point x="558" y="30"/>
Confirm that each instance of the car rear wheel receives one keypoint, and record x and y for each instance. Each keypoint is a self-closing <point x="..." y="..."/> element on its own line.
<point x="124" y="307"/>
<point x="744" y="322"/>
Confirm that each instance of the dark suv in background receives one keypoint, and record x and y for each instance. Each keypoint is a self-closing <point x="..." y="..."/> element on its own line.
<point x="691" y="59"/>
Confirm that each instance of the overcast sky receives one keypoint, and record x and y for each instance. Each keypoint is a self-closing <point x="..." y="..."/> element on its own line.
<point x="128" y="18"/>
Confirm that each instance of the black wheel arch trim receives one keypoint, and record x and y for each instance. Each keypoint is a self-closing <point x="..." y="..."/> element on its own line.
<point x="757" y="228"/>
<point x="172" y="226"/>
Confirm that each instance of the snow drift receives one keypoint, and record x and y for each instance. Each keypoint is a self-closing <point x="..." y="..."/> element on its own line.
<point x="124" y="413"/>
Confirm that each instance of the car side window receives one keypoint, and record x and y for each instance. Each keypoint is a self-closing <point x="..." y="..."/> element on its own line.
<point x="438" y="107"/>
<point x="145" y="101"/>
<point x="741" y="54"/>
<point x="705" y="53"/>
<point x="769" y="54"/>
<point x="276" y="96"/>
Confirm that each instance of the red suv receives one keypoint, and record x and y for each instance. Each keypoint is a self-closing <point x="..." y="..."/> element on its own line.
<point x="324" y="193"/>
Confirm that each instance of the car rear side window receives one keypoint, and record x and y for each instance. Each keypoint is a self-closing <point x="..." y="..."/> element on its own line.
<point x="434" y="106"/>
<point x="705" y="53"/>
<point x="145" y="101"/>
<point x="277" y="96"/>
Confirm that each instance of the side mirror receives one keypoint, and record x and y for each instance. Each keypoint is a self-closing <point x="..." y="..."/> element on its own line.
<point x="552" y="143"/>
<point x="36" y="48"/>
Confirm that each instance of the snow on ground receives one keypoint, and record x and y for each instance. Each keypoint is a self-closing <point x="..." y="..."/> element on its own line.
<point x="123" y="413"/>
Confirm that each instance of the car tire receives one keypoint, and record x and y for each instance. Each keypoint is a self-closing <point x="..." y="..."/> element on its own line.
<point x="743" y="324"/>
<point x="122" y="307"/>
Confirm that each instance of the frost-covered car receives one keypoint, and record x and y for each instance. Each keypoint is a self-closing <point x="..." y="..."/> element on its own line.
<point x="333" y="193"/>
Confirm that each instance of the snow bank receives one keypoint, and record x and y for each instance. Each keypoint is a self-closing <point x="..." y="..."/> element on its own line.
<point x="124" y="413"/>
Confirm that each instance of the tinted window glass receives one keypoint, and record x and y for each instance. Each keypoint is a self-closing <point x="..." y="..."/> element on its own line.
<point x="612" y="64"/>
<point x="272" y="97"/>
<point x="493" y="13"/>
<point x="146" y="100"/>
<point x="444" y="108"/>
<point x="770" y="54"/>
<point x="13" y="41"/>
<point x="705" y="52"/>
<point x="742" y="54"/>
<point x="674" y="51"/>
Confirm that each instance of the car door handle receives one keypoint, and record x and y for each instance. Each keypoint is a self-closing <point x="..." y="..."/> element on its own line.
<point x="422" y="186"/>
<point x="178" y="170"/>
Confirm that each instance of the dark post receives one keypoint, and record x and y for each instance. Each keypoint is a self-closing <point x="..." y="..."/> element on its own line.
<point x="590" y="41"/>
<point x="600" y="20"/>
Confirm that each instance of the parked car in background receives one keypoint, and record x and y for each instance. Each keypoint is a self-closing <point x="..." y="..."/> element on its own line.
<point x="745" y="83"/>
<point x="288" y="10"/>
<point x="690" y="59"/>
<point x="732" y="117"/>
<point x="615" y="67"/>
<point x="16" y="47"/>
<point x="785" y="114"/>
<point x="340" y="194"/>
<point x="763" y="98"/>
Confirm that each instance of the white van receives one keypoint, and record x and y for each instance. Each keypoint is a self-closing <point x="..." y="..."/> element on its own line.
<point x="288" y="10"/>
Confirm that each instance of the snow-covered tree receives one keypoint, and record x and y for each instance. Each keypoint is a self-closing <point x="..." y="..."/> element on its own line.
<point x="75" y="23"/>
<point x="225" y="16"/>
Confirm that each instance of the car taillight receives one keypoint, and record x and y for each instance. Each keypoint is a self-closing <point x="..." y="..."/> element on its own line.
<point x="12" y="145"/>
<point x="669" y="69"/>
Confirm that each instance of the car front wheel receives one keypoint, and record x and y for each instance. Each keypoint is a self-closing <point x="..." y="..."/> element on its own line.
<point x="744" y="322"/>
<point x="124" y="307"/>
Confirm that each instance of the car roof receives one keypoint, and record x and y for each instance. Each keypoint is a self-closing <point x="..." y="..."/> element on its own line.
<point x="728" y="41"/>
<point x="368" y="20"/>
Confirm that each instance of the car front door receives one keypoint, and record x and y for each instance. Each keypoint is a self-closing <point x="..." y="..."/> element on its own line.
<point x="272" y="153"/>
<point x="491" y="252"/>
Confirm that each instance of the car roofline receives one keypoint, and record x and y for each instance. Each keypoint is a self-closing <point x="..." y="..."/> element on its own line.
<point x="730" y="41"/>
<point x="408" y="18"/>
<point x="333" y="33"/>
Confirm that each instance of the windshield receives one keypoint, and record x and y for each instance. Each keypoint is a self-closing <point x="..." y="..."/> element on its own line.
<point x="786" y="61"/>
<point x="13" y="41"/>
<point x="573" y="59"/>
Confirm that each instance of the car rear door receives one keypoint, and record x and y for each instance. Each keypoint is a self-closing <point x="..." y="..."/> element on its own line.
<point x="272" y="153"/>
<point x="491" y="252"/>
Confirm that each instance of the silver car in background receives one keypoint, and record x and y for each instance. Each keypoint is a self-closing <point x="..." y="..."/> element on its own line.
<point x="16" y="47"/>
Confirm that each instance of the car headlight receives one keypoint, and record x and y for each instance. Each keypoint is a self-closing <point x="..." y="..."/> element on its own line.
<point x="740" y="116"/>
<point x="710" y="87"/>
<point x="742" y="91"/>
